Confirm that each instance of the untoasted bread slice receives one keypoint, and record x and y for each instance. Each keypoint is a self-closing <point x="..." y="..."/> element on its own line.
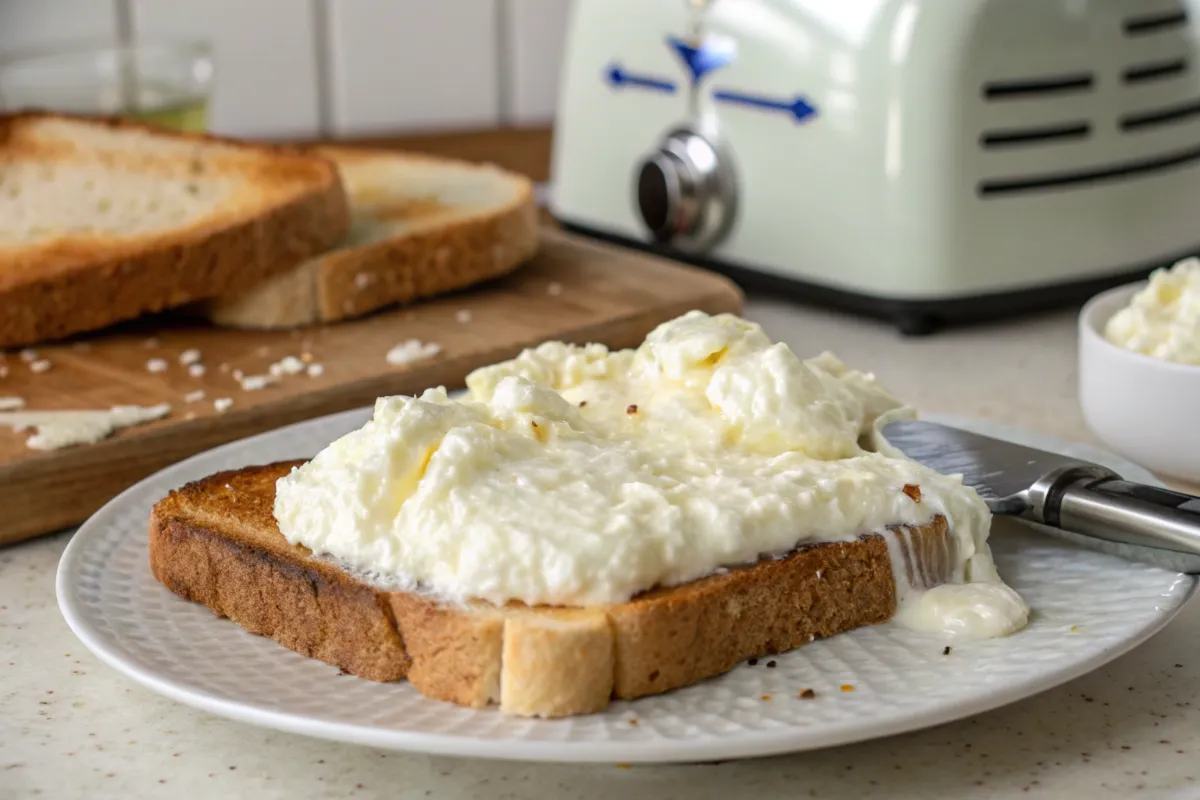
<point x="216" y="542"/>
<point x="103" y="220"/>
<point x="420" y="226"/>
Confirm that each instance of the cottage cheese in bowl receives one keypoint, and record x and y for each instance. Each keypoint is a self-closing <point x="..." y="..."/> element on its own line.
<point x="1162" y="320"/>
<point x="1139" y="370"/>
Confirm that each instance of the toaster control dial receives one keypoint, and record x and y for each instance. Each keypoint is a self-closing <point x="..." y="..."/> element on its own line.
<point x="685" y="192"/>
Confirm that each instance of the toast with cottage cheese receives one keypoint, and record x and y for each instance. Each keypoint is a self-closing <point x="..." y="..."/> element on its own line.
<point x="102" y="220"/>
<point x="216" y="542"/>
<point x="420" y="226"/>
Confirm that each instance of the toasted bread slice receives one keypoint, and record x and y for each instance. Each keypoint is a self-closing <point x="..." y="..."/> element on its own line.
<point x="103" y="220"/>
<point x="216" y="542"/>
<point x="420" y="226"/>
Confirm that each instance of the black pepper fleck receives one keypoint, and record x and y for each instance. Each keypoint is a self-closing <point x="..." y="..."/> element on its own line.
<point x="771" y="665"/>
<point x="946" y="652"/>
<point x="753" y="662"/>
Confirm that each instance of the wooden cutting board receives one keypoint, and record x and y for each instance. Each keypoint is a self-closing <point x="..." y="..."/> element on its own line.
<point x="575" y="290"/>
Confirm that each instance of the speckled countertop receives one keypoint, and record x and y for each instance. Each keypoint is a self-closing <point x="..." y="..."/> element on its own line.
<point x="71" y="727"/>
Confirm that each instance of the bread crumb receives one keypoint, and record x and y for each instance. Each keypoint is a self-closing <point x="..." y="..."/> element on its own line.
<point x="194" y="397"/>
<point x="412" y="350"/>
<point x="29" y="355"/>
<point x="315" y="370"/>
<point x="913" y="491"/>
<point x="196" y="370"/>
<point x="189" y="357"/>
<point x="156" y="365"/>
<point x="463" y="315"/>
<point x="554" y="288"/>
<point x="766" y="697"/>
<point x="807" y="694"/>
<point x="1074" y="629"/>
<point x="252" y="383"/>
<point x="222" y="404"/>
<point x="846" y="687"/>
<point x="41" y="365"/>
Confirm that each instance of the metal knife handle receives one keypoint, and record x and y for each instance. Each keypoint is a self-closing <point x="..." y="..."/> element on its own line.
<point x="1117" y="510"/>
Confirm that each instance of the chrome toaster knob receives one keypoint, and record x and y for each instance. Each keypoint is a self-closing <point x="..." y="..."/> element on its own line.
<point x="685" y="192"/>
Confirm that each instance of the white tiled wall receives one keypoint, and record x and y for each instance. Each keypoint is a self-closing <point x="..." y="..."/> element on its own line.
<point x="31" y="23"/>
<point x="416" y="64"/>
<point x="266" y="73"/>
<point x="534" y="31"/>
<point x="342" y="67"/>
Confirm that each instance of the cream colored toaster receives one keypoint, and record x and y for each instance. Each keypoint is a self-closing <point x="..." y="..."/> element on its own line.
<point x="921" y="160"/>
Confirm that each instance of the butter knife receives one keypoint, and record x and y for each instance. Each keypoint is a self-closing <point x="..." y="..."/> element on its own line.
<point x="1078" y="500"/>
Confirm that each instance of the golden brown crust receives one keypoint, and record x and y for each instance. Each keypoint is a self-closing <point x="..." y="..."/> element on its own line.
<point x="216" y="541"/>
<point x="450" y="252"/>
<point x="77" y="283"/>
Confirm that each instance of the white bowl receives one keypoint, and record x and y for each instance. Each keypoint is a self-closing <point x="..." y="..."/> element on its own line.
<point x="1144" y="408"/>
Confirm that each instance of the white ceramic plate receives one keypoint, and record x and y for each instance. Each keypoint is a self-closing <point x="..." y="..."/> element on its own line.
<point x="1089" y="608"/>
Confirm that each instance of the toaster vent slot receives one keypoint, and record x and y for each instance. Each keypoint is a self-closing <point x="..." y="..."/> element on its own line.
<point x="1034" y="87"/>
<point x="1071" y="131"/>
<point x="1144" y="73"/>
<point x="1161" y="116"/>
<point x="1155" y="23"/>
<point x="1004" y="187"/>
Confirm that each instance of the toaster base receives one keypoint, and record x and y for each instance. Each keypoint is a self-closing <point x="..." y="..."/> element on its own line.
<point x="912" y="317"/>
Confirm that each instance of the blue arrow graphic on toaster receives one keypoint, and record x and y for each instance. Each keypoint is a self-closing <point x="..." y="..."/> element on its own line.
<point x="700" y="59"/>
<point x="619" y="78"/>
<point x="799" y="108"/>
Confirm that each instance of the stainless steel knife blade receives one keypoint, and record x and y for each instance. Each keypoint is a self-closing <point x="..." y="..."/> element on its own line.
<point x="1078" y="499"/>
<point x="997" y="469"/>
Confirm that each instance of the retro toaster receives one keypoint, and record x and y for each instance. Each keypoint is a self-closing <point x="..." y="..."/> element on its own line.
<point x="926" y="161"/>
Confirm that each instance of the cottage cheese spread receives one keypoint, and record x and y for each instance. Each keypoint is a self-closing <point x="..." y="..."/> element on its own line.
<point x="1163" y="320"/>
<point x="582" y="476"/>
<point x="56" y="430"/>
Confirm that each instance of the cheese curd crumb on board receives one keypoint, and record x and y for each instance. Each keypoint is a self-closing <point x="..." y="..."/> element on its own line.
<point x="580" y="476"/>
<point x="412" y="350"/>
<point x="55" y="430"/>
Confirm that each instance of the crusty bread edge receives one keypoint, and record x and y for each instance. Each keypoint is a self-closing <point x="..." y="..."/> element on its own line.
<point x="426" y="262"/>
<point x="178" y="267"/>
<point x="533" y="662"/>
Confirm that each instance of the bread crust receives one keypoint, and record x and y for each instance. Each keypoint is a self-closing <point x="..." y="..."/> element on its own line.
<point x="216" y="542"/>
<point x="77" y="283"/>
<point x="451" y="252"/>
